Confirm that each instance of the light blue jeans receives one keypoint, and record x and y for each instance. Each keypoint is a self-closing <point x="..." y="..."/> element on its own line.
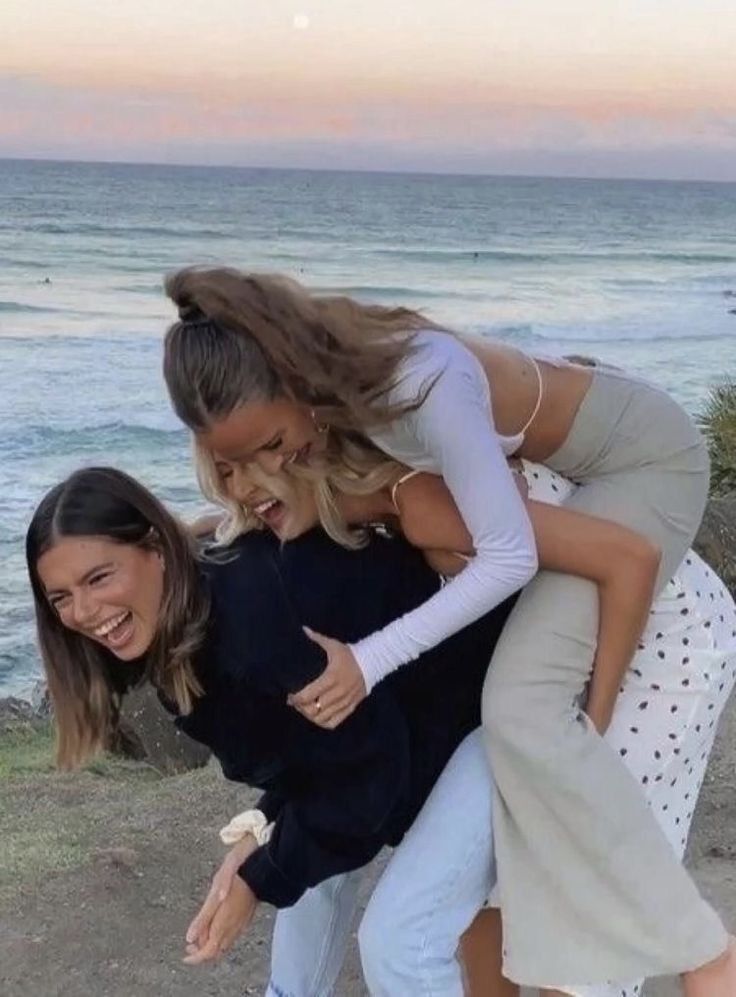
<point x="436" y="881"/>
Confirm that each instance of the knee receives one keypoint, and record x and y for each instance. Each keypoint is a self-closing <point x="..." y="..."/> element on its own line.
<point x="382" y="942"/>
<point x="525" y="719"/>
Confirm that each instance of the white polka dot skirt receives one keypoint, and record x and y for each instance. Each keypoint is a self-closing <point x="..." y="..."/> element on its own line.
<point x="674" y="693"/>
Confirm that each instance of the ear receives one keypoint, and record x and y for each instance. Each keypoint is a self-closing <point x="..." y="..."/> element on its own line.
<point x="153" y="543"/>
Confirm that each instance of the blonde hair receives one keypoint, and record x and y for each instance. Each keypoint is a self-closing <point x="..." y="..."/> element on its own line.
<point x="245" y="337"/>
<point x="348" y="465"/>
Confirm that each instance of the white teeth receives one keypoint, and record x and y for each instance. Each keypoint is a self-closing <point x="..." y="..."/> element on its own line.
<point x="263" y="508"/>
<point x="104" y="629"/>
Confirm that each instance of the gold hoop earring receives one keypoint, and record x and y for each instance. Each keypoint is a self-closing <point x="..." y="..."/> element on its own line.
<point x="321" y="427"/>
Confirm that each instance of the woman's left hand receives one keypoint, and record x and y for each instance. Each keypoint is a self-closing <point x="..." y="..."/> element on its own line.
<point x="197" y="932"/>
<point x="232" y="917"/>
<point x="340" y="688"/>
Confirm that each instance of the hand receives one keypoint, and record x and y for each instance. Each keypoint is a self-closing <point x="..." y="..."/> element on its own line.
<point x="339" y="689"/>
<point x="600" y="714"/>
<point x="198" y="931"/>
<point x="232" y="917"/>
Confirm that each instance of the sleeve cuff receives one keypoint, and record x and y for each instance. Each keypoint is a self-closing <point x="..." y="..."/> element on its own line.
<point x="267" y="881"/>
<point x="270" y="804"/>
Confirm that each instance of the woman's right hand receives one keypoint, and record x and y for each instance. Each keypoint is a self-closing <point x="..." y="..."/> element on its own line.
<point x="198" y="930"/>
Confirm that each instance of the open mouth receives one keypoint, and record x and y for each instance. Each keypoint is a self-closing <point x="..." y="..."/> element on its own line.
<point x="271" y="512"/>
<point x="117" y="631"/>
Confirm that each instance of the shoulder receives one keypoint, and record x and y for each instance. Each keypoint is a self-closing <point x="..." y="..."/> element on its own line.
<point x="250" y="629"/>
<point x="440" y="368"/>
<point x="433" y="353"/>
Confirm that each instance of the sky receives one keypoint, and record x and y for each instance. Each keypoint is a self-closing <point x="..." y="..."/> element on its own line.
<point x="640" y="88"/>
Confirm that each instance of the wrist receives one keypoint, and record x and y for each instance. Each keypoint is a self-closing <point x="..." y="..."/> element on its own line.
<point x="243" y="848"/>
<point x="600" y="712"/>
<point x="253" y="823"/>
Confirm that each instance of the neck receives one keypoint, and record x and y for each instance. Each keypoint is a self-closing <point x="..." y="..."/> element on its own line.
<point x="374" y="508"/>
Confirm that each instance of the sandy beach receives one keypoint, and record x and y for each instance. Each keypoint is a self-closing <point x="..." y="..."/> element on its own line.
<point x="101" y="870"/>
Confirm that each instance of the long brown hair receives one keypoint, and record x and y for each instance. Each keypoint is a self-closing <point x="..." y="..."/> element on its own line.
<point x="252" y="337"/>
<point x="86" y="681"/>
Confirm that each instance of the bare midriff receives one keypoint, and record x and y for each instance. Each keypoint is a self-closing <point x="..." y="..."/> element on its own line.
<point x="514" y="390"/>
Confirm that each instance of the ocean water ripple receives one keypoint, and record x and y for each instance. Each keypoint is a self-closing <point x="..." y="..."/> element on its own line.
<point x="638" y="274"/>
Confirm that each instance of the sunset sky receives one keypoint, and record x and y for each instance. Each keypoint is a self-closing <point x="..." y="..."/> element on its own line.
<point x="574" y="87"/>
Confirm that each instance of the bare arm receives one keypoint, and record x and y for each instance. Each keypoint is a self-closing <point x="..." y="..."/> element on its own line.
<point x="623" y="565"/>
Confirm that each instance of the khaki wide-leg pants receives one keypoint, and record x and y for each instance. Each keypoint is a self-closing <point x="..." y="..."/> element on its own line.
<point x="589" y="887"/>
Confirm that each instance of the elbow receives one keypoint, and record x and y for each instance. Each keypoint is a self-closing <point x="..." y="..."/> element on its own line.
<point x="530" y="568"/>
<point x="527" y="565"/>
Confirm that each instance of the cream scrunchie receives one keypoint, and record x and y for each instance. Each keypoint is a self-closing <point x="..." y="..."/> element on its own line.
<point x="249" y="822"/>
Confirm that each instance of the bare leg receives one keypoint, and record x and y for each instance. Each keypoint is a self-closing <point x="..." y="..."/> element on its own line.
<point x="716" y="979"/>
<point x="480" y="947"/>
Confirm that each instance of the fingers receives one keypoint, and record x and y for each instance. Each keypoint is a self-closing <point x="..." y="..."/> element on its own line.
<point x="221" y="884"/>
<point x="326" y="681"/>
<point x="198" y="930"/>
<point x="332" y="714"/>
<point x="222" y="933"/>
<point x="196" y="956"/>
<point x="216" y="947"/>
<point x="332" y="717"/>
<point x="337" y="717"/>
<point x="326" y="643"/>
<point x="315" y="708"/>
<point x="315" y="691"/>
<point x="212" y="946"/>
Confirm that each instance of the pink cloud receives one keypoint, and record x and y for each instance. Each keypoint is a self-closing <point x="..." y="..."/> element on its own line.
<point x="118" y="123"/>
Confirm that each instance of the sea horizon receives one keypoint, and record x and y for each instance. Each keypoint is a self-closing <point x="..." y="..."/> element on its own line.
<point x="641" y="273"/>
<point x="74" y="161"/>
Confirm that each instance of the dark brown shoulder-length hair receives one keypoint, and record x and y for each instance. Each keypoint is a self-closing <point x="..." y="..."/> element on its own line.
<point x="86" y="681"/>
<point x="252" y="337"/>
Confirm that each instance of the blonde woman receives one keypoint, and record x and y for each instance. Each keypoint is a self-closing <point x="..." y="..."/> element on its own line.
<point x="663" y="717"/>
<point x="259" y="368"/>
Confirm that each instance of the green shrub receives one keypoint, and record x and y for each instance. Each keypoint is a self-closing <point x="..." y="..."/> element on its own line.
<point x="718" y="422"/>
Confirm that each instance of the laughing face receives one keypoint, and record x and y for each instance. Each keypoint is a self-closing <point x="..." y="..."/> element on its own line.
<point x="286" y="505"/>
<point x="270" y="434"/>
<point x="109" y="592"/>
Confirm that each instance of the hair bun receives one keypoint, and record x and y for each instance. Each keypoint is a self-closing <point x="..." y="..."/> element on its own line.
<point x="190" y="312"/>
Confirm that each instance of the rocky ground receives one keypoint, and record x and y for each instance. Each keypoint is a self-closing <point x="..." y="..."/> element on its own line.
<point x="101" y="870"/>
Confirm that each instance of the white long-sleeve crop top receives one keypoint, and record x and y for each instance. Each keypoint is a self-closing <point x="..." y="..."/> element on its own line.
<point x="452" y="434"/>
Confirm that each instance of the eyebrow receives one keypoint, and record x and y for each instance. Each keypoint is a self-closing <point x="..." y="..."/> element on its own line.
<point x="85" y="577"/>
<point x="245" y="455"/>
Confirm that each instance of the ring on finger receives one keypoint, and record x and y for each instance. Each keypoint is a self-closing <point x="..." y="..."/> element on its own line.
<point x="317" y="704"/>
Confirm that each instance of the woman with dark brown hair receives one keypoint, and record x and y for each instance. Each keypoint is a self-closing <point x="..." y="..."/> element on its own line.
<point x="260" y="369"/>
<point x="121" y="596"/>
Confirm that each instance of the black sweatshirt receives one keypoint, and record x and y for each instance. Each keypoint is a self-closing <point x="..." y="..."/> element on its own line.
<point x="337" y="796"/>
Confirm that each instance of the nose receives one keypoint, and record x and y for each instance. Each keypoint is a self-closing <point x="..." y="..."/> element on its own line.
<point x="270" y="462"/>
<point x="241" y="485"/>
<point x="83" y="608"/>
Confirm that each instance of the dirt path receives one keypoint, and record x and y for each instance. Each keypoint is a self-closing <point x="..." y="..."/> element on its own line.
<point x="100" y="872"/>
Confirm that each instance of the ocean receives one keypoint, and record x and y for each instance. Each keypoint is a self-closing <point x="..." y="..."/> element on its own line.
<point x="641" y="274"/>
